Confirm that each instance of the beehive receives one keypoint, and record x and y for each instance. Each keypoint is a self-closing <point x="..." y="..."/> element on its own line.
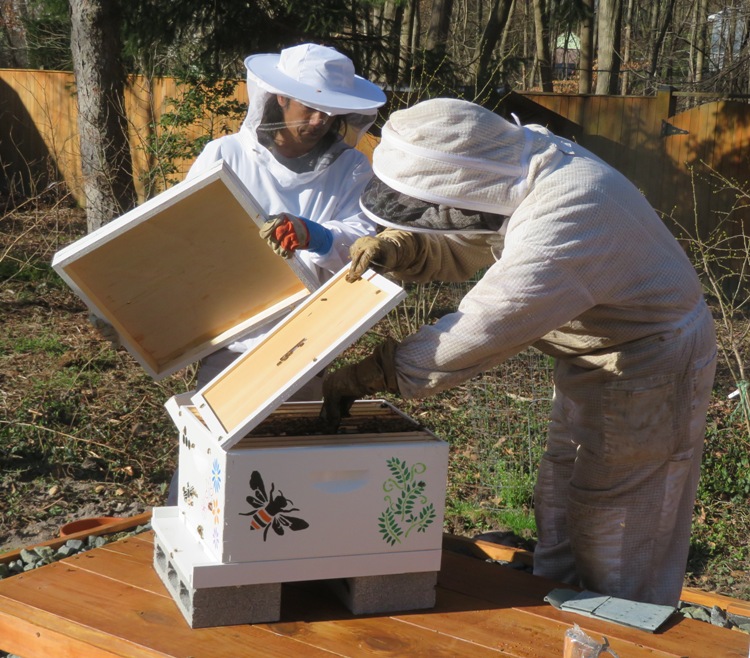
<point x="294" y="507"/>
<point x="256" y="507"/>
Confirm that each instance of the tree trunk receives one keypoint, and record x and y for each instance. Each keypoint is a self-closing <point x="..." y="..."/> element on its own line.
<point x="626" y="47"/>
<point x="586" y="54"/>
<point x="493" y="30"/>
<point x="439" y="28"/>
<point x="393" y="13"/>
<point x="105" y="151"/>
<point x="409" y="20"/>
<point x="659" y="36"/>
<point x="609" y="25"/>
<point x="13" y="13"/>
<point x="541" y="37"/>
<point x="503" y="48"/>
<point x="699" y="39"/>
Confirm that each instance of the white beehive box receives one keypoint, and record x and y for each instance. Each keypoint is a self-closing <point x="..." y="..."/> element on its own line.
<point x="297" y="506"/>
<point x="276" y="509"/>
<point x="185" y="273"/>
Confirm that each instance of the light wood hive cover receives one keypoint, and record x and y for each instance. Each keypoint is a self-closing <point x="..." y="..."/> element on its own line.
<point x="299" y="347"/>
<point x="185" y="272"/>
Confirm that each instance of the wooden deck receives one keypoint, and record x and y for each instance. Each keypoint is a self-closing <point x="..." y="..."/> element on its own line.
<point x="109" y="602"/>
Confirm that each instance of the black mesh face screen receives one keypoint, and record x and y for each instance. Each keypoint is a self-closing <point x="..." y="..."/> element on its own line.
<point x="397" y="209"/>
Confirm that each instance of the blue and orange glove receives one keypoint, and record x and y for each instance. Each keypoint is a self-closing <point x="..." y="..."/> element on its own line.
<point x="286" y="233"/>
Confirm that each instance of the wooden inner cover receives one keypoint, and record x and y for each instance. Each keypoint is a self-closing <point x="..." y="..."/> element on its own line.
<point x="263" y="373"/>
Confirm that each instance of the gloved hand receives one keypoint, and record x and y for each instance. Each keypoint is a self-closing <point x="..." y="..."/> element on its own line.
<point x="392" y="250"/>
<point x="286" y="233"/>
<point x="105" y="330"/>
<point x="377" y="253"/>
<point x="342" y="387"/>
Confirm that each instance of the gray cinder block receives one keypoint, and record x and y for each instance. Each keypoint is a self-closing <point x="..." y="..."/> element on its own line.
<point x="365" y="595"/>
<point x="218" y="606"/>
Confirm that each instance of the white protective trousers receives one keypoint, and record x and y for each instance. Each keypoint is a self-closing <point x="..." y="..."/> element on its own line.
<point x="617" y="483"/>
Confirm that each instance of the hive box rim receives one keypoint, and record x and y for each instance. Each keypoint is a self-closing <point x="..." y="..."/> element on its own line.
<point x="228" y="435"/>
<point x="182" y="403"/>
<point x="149" y="212"/>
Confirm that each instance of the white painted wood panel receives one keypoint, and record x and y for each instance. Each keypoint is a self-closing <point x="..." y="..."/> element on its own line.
<point x="197" y="569"/>
<point x="185" y="272"/>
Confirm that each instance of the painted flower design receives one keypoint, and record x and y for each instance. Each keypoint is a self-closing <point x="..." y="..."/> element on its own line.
<point x="408" y="508"/>
<point x="214" y="507"/>
<point x="216" y="475"/>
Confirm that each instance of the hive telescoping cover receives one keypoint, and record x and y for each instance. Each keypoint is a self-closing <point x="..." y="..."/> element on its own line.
<point x="185" y="273"/>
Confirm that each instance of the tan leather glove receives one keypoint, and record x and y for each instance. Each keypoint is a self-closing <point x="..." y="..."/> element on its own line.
<point x="387" y="252"/>
<point x="342" y="387"/>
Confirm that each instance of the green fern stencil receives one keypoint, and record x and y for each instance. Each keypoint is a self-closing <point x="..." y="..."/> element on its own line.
<point x="408" y="508"/>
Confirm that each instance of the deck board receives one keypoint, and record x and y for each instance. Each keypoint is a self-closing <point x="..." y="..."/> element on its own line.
<point x="516" y="631"/>
<point x="682" y="636"/>
<point x="109" y="603"/>
<point x="130" y="556"/>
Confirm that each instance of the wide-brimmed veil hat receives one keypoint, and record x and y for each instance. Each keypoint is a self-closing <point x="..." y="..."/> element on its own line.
<point x="450" y="165"/>
<point x="317" y="76"/>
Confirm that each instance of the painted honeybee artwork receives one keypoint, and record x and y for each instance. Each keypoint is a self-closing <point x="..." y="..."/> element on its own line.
<point x="188" y="493"/>
<point x="271" y="510"/>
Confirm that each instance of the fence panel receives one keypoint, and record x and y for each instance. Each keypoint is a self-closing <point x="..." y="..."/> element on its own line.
<point x="637" y="135"/>
<point x="641" y="137"/>
<point x="39" y="129"/>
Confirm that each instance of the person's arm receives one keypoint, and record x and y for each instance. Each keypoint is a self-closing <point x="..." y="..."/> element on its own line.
<point x="327" y="219"/>
<point x="209" y="156"/>
<point x="346" y="221"/>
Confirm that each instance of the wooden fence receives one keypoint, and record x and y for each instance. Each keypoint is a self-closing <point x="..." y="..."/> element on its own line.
<point x="662" y="152"/>
<point x="676" y="159"/>
<point x="39" y="131"/>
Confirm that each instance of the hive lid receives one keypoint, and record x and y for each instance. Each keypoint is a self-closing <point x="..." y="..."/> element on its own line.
<point x="185" y="272"/>
<point x="292" y="353"/>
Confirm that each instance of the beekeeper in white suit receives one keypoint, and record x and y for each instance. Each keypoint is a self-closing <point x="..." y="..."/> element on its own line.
<point x="291" y="154"/>
<point x="581" y="267"/>
<point x="295" y="153"/>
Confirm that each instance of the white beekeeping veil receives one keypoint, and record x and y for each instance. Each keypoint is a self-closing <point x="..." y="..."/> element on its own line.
<point x="450" y="165"/>
<point x="317" y="76"/>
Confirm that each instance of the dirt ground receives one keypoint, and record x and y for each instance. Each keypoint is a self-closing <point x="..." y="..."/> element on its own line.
<point x="77" y="418"/>
<point x="83" y="431"/>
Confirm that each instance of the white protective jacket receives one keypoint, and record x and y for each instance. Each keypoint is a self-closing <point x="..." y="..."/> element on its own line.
<point x="583" y="267"/>
<point x="328" y="195"/>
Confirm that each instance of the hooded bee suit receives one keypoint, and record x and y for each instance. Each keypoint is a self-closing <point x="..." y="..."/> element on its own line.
<point x="324" y="185"/>
<point x="582" y="268"/>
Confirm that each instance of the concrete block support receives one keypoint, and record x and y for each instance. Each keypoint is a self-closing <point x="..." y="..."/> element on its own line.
<point x="366" y="595"/>
<point x="218" y="606"/>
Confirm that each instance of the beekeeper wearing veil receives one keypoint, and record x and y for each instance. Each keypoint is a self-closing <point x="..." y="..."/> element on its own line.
<point x="294" y="152"/>
<point x="581" y="267"/>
